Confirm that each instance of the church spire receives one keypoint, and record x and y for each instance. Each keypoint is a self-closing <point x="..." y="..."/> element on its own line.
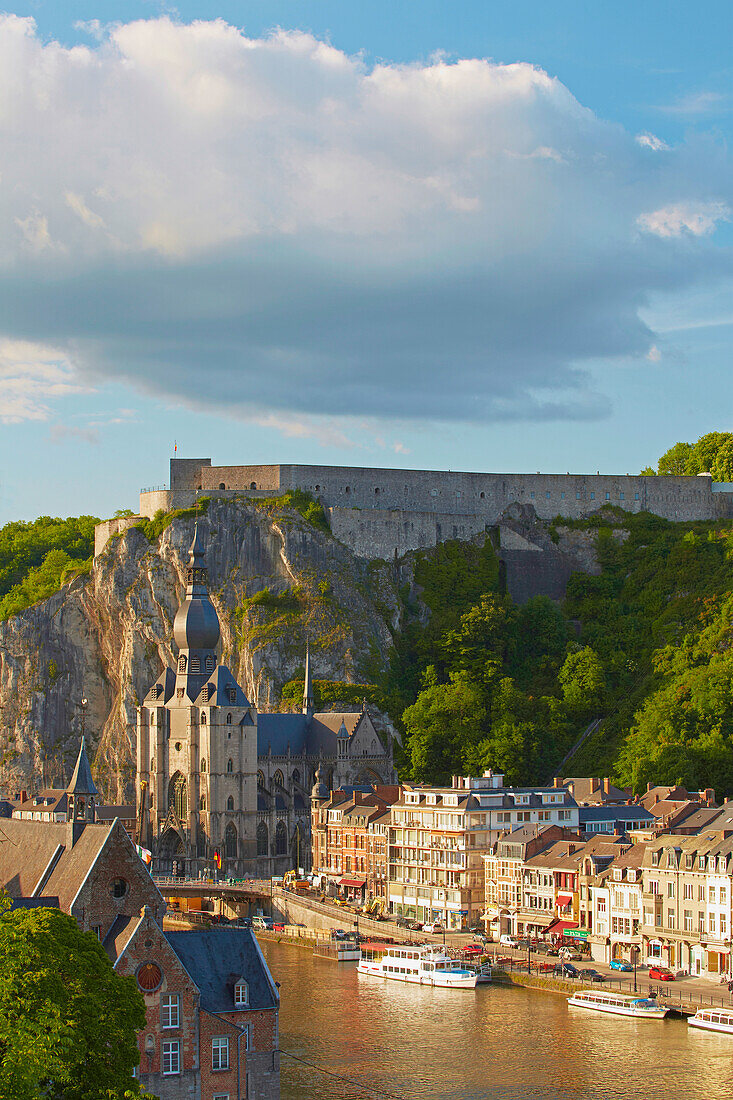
<point x="308" y="705"/>
<point x="81" y="791"/>
<point x="196" y="626"/>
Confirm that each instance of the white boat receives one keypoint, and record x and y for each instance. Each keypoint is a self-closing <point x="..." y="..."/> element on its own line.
<point x="421" y="966"/>
<point x="620" y="1004"/>
<point x="713" y="1019"/>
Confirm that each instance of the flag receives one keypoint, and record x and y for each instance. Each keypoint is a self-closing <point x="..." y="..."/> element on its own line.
<point x="145" y="855"/>
<point x="217" y="858"/>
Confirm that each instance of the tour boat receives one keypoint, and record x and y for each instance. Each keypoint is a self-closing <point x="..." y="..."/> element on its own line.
<point x="713" y="1019"/>
<point x="620" y="1004"/>
<point x="420" y="965"/>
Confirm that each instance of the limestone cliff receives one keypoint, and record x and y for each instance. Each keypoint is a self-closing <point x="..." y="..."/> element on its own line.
<point x="275" y="580"/>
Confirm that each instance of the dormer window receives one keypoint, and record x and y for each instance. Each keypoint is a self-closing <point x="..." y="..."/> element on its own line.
<point x="241" y="994"/>
<point x="232" y="693"/>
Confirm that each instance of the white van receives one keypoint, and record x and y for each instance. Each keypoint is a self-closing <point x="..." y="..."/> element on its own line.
<point x="263" y="924"/>
<point x="508" y="941"/>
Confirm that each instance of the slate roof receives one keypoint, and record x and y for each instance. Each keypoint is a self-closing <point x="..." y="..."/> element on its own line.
<point x="119" y="935"/>
<point x="614" y="813"/>
<point x="216" y="959"/>
<point x="81" y="780"/>
<point x="34" y="903"/>
<point x="301" y="733"/>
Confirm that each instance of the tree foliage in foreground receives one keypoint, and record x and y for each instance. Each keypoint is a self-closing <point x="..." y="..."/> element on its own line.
<point x="712" y="454"/>
<point x="37" y="558"/>
<point x="68" y="1022"/>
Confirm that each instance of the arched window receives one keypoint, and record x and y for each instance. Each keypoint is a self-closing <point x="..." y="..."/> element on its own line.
<point x="178" y="796"/>
<point x="281" y="839"/>
<point x="230" y="842"/>
<point x="196" y="665"/>
<point x="202" y="802"/>
<point x="230" y="803"/>
<point x="296" y="776"/>
<point x="222" y="485"/>
<point x="230" y="765"/>
<point x="209" y="664"/>
<point x="262" y="839"/>
<point x="260" y="779"/>
<point x="229" y="719"/>
<point x="181" y="663"/>
<point x="278" y="778"/>
<point x="203" y="717"/>
<point x="203" y="763"/>
<point x="253" y="484"/>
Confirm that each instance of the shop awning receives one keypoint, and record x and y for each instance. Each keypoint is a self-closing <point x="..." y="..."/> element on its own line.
<point x="357" y="883"/>
<point x="560" y="925"/>
<point x="564" y="899"/>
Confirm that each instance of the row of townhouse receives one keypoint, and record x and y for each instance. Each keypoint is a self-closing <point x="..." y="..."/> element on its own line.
<point x="349" y="840"/>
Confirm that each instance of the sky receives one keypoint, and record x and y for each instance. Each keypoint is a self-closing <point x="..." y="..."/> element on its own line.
<point x="461" y="235"/>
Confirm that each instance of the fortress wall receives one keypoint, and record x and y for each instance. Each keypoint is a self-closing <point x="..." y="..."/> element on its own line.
<point x="377" y="533"/>
<point x="241" y="478"/>
<point x="103" y="531"/>
<point x="185" y="473"/>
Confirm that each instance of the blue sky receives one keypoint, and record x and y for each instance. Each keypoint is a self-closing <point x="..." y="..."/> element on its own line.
<point x="354" y="244"/>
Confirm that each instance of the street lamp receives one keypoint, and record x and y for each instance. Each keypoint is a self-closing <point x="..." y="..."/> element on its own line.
<point x="635" y="952"/>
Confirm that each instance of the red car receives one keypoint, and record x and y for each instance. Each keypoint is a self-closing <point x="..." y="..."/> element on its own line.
<point x="661" y="974"/>
<point x="473" y="949"/>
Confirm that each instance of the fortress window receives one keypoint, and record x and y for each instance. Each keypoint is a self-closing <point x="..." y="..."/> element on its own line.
<point x="253" y="484"/>
<point x="181" y="664"/>
<point x="318" y="488"/>
<point x="608" y="496"/>
<point x="547" y="494"/>
<point x="376" y="492"/>
<point x="222" y="485"/>
<point x="577" y="496"/>
<point x="531" y="495"/>
<point x="348" y="490"/>
<point x="562" y="496"/>
<point x="636" y="496"/>
<point x="593" y="496"/>
<point x="621" y="496"/>
<point x="230" y="766"/>
<point x="458" y="493"/>
<point x="482" y="495"/>
<point x="433" y="492"/>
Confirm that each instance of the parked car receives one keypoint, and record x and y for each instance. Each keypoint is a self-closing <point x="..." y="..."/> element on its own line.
<point x="554" y="951"/>
<point x="402" y="922"/>
<point x="544" y="967"/>
<point x="432" y="926"/>
<point x="661" y="974"/>
<point x="591" y="975"/>
<point x="508" y="941"/>
<point x="415" y="925"/>
<point x="473" y="949"/>
<point x="620" y="964"/>
<point x="565" y="970"/>
<point x="569" y="953"/>
<point x="262" y="924"/>
<point x="278" y="926"/>
<point x="339" y="934"/>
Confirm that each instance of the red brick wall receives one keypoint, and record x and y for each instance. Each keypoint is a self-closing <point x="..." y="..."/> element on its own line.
<point x="95" y="906"/>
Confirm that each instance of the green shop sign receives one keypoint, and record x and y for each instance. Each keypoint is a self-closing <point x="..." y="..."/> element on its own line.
<point x="576" y="933"/>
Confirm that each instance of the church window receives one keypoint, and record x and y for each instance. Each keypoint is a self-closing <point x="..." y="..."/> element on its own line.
<point x="229" y="719"/>
<point x="196" y="665"/>
<point x="262" y="839"/>
<point x="119" y="888"/>
<point x="203" y="763"/>
<point x="230" y="765"/>
<point x="209" y="664"/>
<point x="179" y="693"/>
<point x="230" y="842"/>
<point x="281" y="840"/>
<point x="230" y="803"/>
<point x="296" y="776"/>
<point x="202" y="803"/>
<point x="181" y="663"/>
<point x="278" y="778"/>
<point x="260" y="779"/>
<point x="203" y="717"/>
<point x="178" y="796"/>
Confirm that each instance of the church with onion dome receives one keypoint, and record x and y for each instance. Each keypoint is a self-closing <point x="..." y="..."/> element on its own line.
<point x="220" y="786"/>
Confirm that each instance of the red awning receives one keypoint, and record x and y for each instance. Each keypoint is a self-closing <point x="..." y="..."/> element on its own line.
<point x="560" y="925"/>
<point x="357" y="883"/>
<point x="564" y="899"/>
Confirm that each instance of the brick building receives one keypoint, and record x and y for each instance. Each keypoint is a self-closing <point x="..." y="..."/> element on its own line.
<point x="349" y="835"/>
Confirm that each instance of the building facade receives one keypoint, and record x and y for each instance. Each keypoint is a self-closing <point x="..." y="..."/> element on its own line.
<point x="349" y="835"/>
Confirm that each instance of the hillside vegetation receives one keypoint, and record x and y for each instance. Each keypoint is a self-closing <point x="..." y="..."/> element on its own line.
<point x="37" y="558"/>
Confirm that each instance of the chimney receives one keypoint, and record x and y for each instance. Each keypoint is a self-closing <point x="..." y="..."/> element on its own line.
<point x="557" y="781"/>
<point x="648" y="787"/>
<point x="23" y="796"/>
<point x="594" y="784"/>
<point x="454" y="782"/>
<point x="606" y="786"/>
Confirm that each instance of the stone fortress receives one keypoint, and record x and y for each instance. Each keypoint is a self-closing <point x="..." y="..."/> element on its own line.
<point x="383" y="512"/>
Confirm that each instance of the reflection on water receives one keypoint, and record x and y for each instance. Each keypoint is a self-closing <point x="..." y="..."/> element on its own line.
<point x="503" y="1043"/>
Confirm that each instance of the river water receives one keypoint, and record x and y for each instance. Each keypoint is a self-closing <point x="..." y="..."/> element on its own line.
<point x="502" y="1043"/>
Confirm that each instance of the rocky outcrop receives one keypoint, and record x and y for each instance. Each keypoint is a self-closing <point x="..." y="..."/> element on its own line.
<point x="275" y="580"/>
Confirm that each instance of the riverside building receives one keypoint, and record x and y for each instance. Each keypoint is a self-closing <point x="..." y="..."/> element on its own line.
<point x="438" y="836"/>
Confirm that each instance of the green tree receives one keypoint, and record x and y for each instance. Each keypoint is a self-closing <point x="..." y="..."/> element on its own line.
<point x="583" y="683"/>
<point x="704" y="454"/>
<point x="68" y="1022"/>
<point x="675" y="460"/>
<point x="443" y="725"/>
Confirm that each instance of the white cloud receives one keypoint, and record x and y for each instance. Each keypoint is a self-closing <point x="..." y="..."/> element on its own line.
<point x="695" y="103"/>
<point x="32" y="376"/>
<point x="654" y="355"/>
<point x="651" y="141"/>
<point x="66" y="433"/>
<point x="698" y="219"/>
<point x="270" y="227"/>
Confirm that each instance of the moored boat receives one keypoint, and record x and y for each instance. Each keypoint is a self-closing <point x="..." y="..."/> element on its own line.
<point x="619" y="1004"/>
<point x="420" y="966"/>
<point x="713" y="1019"/>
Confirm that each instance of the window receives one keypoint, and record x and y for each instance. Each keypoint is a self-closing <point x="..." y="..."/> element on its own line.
<point x="688" y="920"/>
<point x="711" y="895"/>
<point x="262" y="839"/>
<point x="688" y="891"/>
<point x="577" y="496"/>
<point x="608" y="496"/>
<point x="171" y="1058"/>
<point x="701" y="893"/>
<point x="670" y="918"/>
<point x="196" y="665"/>
<point x="221" y="1096"/>
<point x="220" y="1053"/>
<point x="230" y="803"/>
<point x="203" y="718"/>
<point x="621" y="496"/>
<point x="181" y="664"/>
<point x="670" y="889"/>
<point x="723" y="895"/>
<point x="209" y="664"/>
<point x="562" y="496"/>
<point x="203" y="764"/>
<point x="711" y="920"/>
<point x="593" y="496"/>
<point x="230" y="766"/>
<point x="229" y="719"/>
<point x="636" y="496"/>
<point x="170" y="1010"/>
<point x="241" y="993"/>
<point x="547" y="495"/>
<point x="119" y="888"/>
<point x="532" y="495"/>
<point x="230" y="841"/>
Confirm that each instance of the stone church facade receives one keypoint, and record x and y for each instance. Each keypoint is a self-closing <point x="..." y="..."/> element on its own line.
<point x="216" y="781"/>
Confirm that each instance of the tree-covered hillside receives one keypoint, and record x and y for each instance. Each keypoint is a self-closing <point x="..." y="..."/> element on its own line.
<point x="37" y="558"/>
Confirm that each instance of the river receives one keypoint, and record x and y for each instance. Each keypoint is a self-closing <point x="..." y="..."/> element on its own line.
<point x="498" y="1043"/>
